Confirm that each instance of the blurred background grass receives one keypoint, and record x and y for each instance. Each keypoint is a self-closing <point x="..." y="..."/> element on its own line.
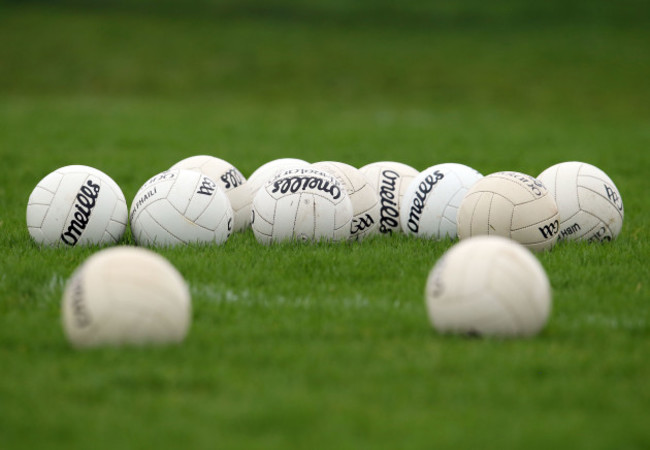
<point x="525" y="55"/>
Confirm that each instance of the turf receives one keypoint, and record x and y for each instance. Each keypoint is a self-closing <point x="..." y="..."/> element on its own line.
<point x="326" y="346"/>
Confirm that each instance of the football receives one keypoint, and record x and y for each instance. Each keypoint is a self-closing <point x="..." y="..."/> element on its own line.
<point x="180" y="207"/>
<point x="125" y="296"/>
<point x="431" y="202"/>
<point x="229" y="179"/>
<point x="303" y="204"/>
<point x="390" y="179"/>
<point x="365" y="200"/>
<point x="512" y="205"/>
<point x="590" y="205"/>
<point x="76" y="205"/>
<point x="488" y="286"/>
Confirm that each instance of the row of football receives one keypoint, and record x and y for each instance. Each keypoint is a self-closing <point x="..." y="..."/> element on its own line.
<point x="482" y="286"/>
<point x="204" y="199"/>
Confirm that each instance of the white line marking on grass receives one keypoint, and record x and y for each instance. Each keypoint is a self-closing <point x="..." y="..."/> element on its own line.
<point x="605" y="321"/>
<point x="221" y="294"/>
<point x="617" y="323"/>
<point x="51" y="290"/>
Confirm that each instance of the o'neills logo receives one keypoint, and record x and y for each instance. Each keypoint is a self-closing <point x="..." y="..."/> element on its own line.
<point x="232" y="178"/>
<point x="614" y="197"/>
<point x="78" y="303"/>
<point x="388" y="200"/>
<point x="435" y="285"/>
<point x="298" y="183"/>
<point x="531" y="183"/>
<point x="86" y="200"/>
<point x="417" y="205"/>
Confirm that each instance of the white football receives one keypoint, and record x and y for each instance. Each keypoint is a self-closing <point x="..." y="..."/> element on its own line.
<point x="591" y="208"/>
<point x="365" y="199"/>
<point x="180" y="207"/>
<point x="230" y="180"/>
<point x="488" y="286"/>
<point x="125" y="296"/>
<point x="431" y="202"/>
<point x="268" y="170"/>
<point x="76" y="205"/>
<point x="303" y="204"/>
<point x="390" y="179"/>
<point x="512" y="205"/>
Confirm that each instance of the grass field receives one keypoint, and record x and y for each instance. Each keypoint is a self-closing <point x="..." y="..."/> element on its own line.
<point x="327" y="346"/>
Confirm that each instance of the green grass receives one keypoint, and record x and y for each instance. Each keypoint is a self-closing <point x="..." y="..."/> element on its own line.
<point x="326" y="346"/>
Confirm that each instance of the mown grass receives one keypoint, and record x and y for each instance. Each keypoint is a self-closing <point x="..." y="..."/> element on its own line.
<point x="326" y="346"/>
